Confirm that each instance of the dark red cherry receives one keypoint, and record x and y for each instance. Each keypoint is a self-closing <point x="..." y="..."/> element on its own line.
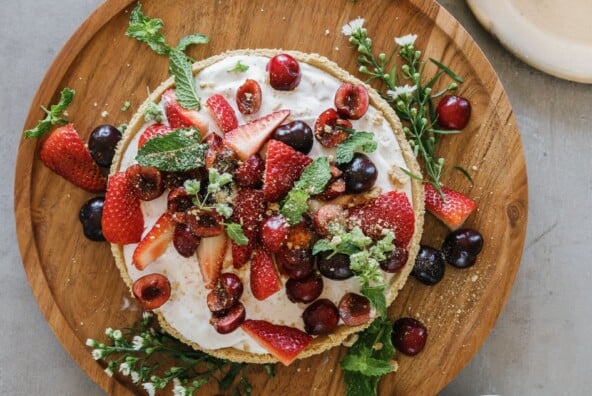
<point x="102" y="143"/>
<point x="184" y="241"/>
<point x="351" y="101"/>
<point x="296" y="134"/>
<point x="274" y="232"/>
<point x="359" y="174"/>
<point x="232" y="283"/>
<point x="230" y="320"/>
<point x="429" y="265"/>
<point x="90" y="216"/>
<point x="248" y="97"/>
<point x="395" y="260"/>
<point x="354" y="309"/>
<point x="334" y="267"/>
<point x="409" y="336"/>
<point x="320" y="317"/>
<point x="145" y="182"/>
<point x="284" y="72"/>
<point x="453" y="112"/>
<point x="152" y="290"/>
<point x="327" y="128"/>
<point x="305" y="290"/>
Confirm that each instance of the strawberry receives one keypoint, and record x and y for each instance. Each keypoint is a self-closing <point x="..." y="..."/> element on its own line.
<point x="249" y="207"/>
<point x="64" y="153"/>
<point x="453" y="210"/>
<point x="248" y="139"/>
<point x="389" y="211"/>
<point x="265" y="280"/>
<point x="283" y="168"/>
<point x="152" y="131"/>
<point x="250" y="172"/>
<point x="283" y="342"/>
<point x="222" y="112"/>
<point x="210" y="255"/>
<point x="122" y="220"/>
<point x="155" y="242"/>
<point x="180" y="117"/>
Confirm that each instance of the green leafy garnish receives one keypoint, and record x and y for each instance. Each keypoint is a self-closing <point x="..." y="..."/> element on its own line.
<point x="192" y="39"/>
<point x="313" y="180"/>
<point x="139" y="352"/>
<point x="177" y="151"/>
<point x="53" y="115"/>
<point x="235" y="232"/>
<point x="369" y="359"/>
<point x="147" y="30"/>
<point x="358" y="141"/>
<point x="239" y="67"/>
<point x="185" y="91"/>
<point x="153" y="113"/>
<point x="126" y="105"/>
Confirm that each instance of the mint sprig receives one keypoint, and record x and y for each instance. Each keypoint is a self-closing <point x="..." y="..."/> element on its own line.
<point x="186" y="91"/>
<point x="53" y="115"/>
<point x="177" y="151"/>
<point x="238" y="67"/>
<point x="358" y="141"/>
<point x="312" y="181"/>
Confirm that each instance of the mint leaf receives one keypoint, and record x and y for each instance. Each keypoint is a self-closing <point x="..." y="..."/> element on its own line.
<point x="147" y="30"/>
<point x="192" y="186"/>
<point x="239" y="67"/>
<point x="178" y="151"/>
<point x="315" y="176"/>
<point x="192" y="39"/>
<point x="365" y="364"/>
<point x="294" y="206"/>
<point x="235" y="232"/>
<point x="322" y="245"/>
<point x="53" y="115"/>
<point x="357" y="142"/>
<point x="359" y="384"/>
<point x="223" y="209"/>
<point x="376" y="296"/>
<point x="181" y="69"/>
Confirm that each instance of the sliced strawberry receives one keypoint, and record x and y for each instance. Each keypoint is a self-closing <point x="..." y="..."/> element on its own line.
<point x="250" y="172"/>
<point x="283" y="342"/>
<point x="64" y="153"/>
<point x="249" y="207"/>
<point x="210" y="255"/>
<point x="155" y="242"/>
<point x="389" y="211"/>
<point x="180" y="117"/>
<point x="283" y="167"/>
<point x="248" y="139"/>
<point x="265" y="280"/>
<point x="152" y="131"/>
<point x="453" y="210"/>
<point x="122" y="221"/>
<point x="222" y="112"/>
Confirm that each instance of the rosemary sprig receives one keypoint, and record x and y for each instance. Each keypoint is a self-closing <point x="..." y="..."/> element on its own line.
<point x="154" y="359"/>
<point x="405" y="89"/>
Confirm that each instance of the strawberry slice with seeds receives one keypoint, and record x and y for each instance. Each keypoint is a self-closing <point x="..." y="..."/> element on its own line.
<point x="180" y="117"/>
<point x="249" y="207"/>
<point x="283" y="342"/>
<point x="265" y="280"/>
<point x="389" y="211"/>
<point x="122" y="220"/>
<point x="64" y="153"/>
<point x="283" y="168"/>
<point x="210" y="255"/>
<point x="155" y="242"/>
<point x="152" y="131"/>
<point x="453" y="210"/>
<point x="222" y="112"/>
<point x="248" y="139"/>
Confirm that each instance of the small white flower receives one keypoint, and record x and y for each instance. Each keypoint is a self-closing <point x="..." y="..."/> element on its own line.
<point x="400" y="91"/>
<point x="97" y="354"/>
<point x="109" y="332"/>
<point x="91" y="343"/>
<point x="109" y="372"/>
<point x="178" y="389"/>
<point x="137" y="343"/>
<point x="117" y="335"/>
<point x="149" y="387"/>
<point x="135" y="376"/>
<point x="124" y="368"/>
<point x="147" y="315"/>
<point x="353" y="26"/>
<point x="406" y="40"/>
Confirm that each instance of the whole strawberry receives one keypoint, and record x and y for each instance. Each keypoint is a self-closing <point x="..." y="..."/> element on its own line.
<point x="64" y="153"/>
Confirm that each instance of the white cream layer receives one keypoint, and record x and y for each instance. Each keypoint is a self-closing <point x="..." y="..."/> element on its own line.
<point x="186" y="310"/>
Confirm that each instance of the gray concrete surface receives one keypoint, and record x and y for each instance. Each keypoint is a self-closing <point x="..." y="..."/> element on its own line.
<point x="540" y="345"/>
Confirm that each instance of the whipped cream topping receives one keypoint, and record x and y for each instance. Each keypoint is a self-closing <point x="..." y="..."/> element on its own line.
<point x="186" y="310"/>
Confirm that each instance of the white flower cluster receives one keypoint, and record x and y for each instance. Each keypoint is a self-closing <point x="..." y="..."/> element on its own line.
<point x="401" y="91"/>
<point x="408" y="39"/>
<point x="353" y="26"/>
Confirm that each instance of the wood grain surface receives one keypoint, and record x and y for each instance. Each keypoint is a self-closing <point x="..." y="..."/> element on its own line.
<point x="75" y="281"/>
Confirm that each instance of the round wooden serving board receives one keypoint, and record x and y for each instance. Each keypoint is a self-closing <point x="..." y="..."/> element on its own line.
<point x="75" y="281"/>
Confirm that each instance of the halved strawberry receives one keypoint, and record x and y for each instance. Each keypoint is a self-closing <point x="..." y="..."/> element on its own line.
<point x="155" y="242"/>
<point x="180" y="117"/>
<point x="453" y="210"/>
<point x="283" y="167"/>
<point x="64" y="153"/>
<point x="250" y="172"/>
<point x="154" y="130"/>
<point x="248" y="139"/>
<point x="389" y="211"/>
<point x="283" y="342"/>
<point x="265" y="280"/>
<point x="222" y="112"/>
<point x="210" y="255"/>
<point x="249" y="207"/>
<point x="122" y="220"/>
